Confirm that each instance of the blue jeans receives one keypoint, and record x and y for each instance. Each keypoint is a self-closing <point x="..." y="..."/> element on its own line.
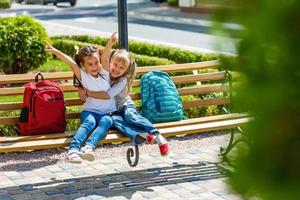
<point x="132" y="124"/>
<point x="91" y="122"/>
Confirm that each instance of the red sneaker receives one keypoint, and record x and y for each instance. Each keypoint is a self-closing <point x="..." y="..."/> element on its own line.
<point x="164" y="149"/>
<point x="150" y="138"/>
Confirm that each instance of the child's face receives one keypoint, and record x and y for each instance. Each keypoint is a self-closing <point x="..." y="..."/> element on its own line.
<point x="92" y="64"/>
<point x="117" y="68"/>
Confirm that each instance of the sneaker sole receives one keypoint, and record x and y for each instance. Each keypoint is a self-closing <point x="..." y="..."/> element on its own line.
<point x="87" y="156"/>
<point x="73" y="161"/>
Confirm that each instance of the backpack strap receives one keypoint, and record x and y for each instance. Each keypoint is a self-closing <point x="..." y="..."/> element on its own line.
<point x="77" y="82"/>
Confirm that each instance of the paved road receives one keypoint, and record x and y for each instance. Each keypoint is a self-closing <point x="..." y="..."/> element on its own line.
<point x="147" y="22"/>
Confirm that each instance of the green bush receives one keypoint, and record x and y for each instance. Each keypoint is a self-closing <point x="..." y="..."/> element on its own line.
<point x="5" y="4"/>
<point x="143" y="60"/>
<point x="69" y="48"/>
<point x="267" y="167"/>
<point x="22" y="44"/>
<point x="142" y="48"/>
<point x="82" y="38"/>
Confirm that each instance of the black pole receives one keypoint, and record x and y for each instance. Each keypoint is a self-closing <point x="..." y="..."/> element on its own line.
<point x="122" y="24"/>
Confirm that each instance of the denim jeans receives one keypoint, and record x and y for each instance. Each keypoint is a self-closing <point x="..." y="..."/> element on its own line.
<point x="91" y="122"/>
<point x="131" y="123"/>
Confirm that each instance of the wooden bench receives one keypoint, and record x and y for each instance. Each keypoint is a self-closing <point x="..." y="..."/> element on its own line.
<point x="199" y="79"/>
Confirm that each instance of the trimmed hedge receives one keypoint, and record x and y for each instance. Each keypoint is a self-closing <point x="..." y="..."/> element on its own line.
<point x="69" y="48"/>
<point x="22" y="44"/>
<point x="5" y="4"/>
<point x="174" y="54"/>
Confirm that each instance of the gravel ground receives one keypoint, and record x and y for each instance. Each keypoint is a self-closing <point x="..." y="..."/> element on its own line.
<point x="40" y="158"/>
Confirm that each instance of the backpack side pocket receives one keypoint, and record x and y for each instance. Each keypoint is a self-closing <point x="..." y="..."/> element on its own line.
<point x="24" y="116"/>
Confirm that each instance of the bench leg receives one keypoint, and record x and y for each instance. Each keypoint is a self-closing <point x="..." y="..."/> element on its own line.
<point x="131" y="153"/>
<point x="232" y="143"/>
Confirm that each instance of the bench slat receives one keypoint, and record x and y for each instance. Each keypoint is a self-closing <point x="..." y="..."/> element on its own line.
<point x="15" y="119"/>
<point x="182" y="91"/>
<point x="23" y="78"/>
<point x="53" y="143"/>
<point x="206" y="102"/>
<point x="204" y="89"/>
<point x="63" y="142"/>
<point x="75" y="115"/>
<point x="205" y="127"/>
<point x="195" y="91"/>
<point x="159" y="125"/>
<point x="181" y="67"/>
<point x="215" y="76"/>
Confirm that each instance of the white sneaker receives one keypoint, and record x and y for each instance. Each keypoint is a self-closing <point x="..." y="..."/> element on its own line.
<point x="72" y="156"/>
<point x="86" y="153"/>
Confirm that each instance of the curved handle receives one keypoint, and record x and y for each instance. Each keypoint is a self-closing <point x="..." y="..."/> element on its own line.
<point x="130" y="154"/>
<point x="36" y="79"/>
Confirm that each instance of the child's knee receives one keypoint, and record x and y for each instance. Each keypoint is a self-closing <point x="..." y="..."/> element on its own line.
<point x="131" y="117"/>
<point x="106" y="120"/>
<point x="89" y="122"/>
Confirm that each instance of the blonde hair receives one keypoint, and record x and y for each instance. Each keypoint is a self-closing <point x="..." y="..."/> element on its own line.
<point x="124" y="56"/>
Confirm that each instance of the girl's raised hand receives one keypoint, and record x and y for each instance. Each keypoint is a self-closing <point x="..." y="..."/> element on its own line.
<point x="100" y="51"/>
<point x="113" y="38"/>
<point x="49" y="48"/>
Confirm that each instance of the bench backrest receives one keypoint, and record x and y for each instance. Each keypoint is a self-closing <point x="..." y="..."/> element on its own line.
<point x="191" y="79"/>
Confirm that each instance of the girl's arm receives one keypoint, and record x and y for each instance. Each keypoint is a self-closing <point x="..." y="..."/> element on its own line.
<point x="67" y="59"/>
<point x="84" y="93"/>
<point x="111" y="93"/>
<point x="98" y="95"/>
<point x="106" y="52"/>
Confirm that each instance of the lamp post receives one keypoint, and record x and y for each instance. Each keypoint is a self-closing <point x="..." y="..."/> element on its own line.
<point x="122" y="24"/>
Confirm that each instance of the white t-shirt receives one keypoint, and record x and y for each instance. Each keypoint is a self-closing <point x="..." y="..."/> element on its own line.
<point x="118" y="91"/>
<point x="101" y="83"/>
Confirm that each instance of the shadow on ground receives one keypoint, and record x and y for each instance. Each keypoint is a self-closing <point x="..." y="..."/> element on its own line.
<point x="124" y="184"/>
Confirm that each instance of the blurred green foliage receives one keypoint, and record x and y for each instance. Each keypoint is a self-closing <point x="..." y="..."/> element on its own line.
<point x="268" y="167"/>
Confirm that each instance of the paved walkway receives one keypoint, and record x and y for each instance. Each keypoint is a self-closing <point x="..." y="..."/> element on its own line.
<point x="183" y="174"/>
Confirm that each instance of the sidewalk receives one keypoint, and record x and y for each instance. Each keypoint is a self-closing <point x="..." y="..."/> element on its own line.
<point x="184" y="174"/>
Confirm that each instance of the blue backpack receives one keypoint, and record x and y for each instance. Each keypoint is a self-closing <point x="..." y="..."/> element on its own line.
<point x="160" y="99"/>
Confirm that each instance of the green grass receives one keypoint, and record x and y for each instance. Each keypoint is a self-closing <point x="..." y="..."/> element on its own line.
<point x="10" y="99"/>
<point x="54" y="65"/>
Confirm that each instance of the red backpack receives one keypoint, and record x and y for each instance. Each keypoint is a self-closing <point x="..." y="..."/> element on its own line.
<point x="43" y="109"/>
